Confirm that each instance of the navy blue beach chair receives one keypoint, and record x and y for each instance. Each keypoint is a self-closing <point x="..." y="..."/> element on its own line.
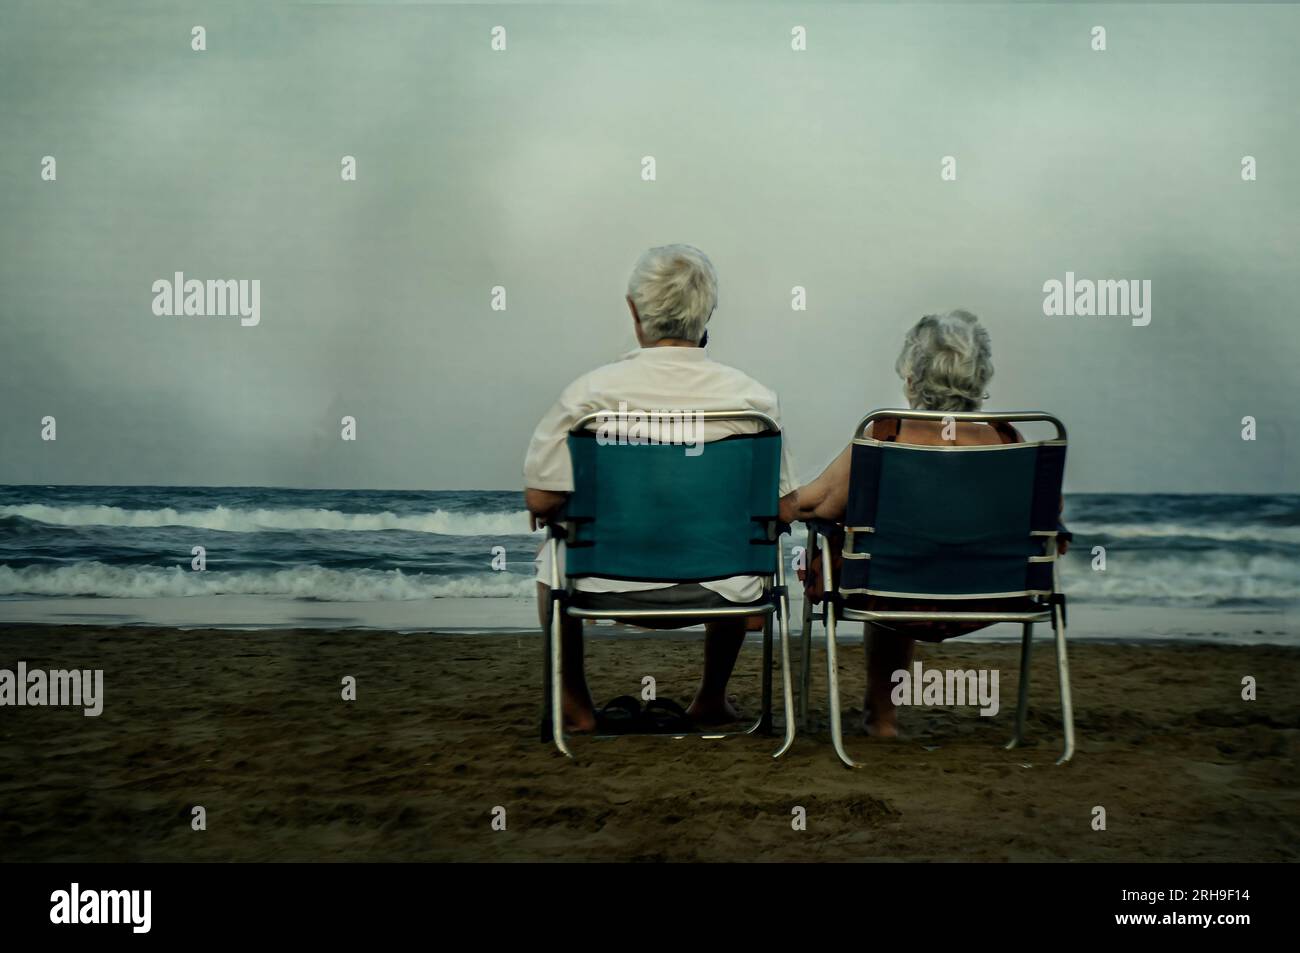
<point x="946" y="524"/>
<point x="654" y="513"/>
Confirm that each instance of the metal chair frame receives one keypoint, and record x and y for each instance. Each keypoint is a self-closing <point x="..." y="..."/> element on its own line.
<point x="832" y="607"/>
<point x="775" y="601"/>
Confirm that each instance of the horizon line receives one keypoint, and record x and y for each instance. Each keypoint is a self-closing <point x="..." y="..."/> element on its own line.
<point x="520" y="490"/>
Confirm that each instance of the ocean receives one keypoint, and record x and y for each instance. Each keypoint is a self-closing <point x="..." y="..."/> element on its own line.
<point x="423" y="559"/>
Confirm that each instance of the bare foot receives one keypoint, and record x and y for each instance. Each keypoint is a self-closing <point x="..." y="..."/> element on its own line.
<point x="713" y="711"/>
<point x="880" y="727"/>
<point x="579" y="716"/>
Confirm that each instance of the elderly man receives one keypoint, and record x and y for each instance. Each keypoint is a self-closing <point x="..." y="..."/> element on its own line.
<point x="671" y="294"/>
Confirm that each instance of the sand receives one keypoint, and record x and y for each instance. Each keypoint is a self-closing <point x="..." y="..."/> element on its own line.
<point x="251" y="726"/>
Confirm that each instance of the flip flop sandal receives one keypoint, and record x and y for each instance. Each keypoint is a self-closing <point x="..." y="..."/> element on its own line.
<point x="620" y="716"/>
<point x="663" y="716"/>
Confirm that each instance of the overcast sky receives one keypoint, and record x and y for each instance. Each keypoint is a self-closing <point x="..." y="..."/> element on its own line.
<point x="523" y="169"/>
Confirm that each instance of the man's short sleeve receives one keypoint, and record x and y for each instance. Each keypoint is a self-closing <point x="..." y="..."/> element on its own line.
<point x="789" y="479"/>
<point x="764" y="400"/>
<point x="547" y="465"/>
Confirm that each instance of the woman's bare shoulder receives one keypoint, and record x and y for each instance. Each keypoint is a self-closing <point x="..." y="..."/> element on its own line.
<point x="1007" y="433"/>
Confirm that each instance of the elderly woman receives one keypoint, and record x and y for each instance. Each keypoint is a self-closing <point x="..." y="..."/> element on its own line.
<point x="946" y="365"/>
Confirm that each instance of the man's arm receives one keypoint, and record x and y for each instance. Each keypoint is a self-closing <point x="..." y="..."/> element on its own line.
<point x="548" y="474"/>
<point x="542" y="505"/>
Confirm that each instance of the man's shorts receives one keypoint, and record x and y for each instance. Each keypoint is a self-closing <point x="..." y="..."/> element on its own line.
<point x="684" y="595"/>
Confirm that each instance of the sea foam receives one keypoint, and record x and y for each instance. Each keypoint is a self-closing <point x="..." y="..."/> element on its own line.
<point x="308" y="582"/>
<point x="236" y="520"/>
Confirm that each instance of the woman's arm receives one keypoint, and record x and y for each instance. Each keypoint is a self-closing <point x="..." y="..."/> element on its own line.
<point x="825" y="497"/>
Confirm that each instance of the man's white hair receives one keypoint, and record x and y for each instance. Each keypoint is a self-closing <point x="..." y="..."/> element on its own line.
<point x="675" y="290"/>
<point x="946" y="363"/>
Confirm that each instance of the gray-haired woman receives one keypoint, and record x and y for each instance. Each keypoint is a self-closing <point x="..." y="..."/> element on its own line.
<point x="946" y="365"/>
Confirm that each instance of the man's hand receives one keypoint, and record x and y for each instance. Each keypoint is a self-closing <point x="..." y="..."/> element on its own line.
<point x="542" y="506"/>
<point x="788" y="511"/>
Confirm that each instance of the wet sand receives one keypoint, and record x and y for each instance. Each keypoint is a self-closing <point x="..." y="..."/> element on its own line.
<point x="251" y="726"/>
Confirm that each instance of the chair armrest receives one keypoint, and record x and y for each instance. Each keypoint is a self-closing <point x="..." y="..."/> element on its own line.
<point x="557" y="526"/>
<point x="828" y="528"/>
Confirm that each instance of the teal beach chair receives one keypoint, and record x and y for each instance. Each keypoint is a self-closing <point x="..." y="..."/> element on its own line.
<point x="946" y="524"/>
<point x="655" y="513"/>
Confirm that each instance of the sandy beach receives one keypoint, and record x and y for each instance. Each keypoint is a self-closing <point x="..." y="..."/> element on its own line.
<point x="251" y="725"/>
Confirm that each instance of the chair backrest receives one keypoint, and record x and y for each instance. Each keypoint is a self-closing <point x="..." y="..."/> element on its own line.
<point x="656" y="513"/>
<point x="952" y="522"/>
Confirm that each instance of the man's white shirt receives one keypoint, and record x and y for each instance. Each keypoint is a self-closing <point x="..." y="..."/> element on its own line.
<point x="651" y="379"/>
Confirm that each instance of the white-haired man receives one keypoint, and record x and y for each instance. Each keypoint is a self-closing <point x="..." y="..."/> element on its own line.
<point x="672" y="294"/>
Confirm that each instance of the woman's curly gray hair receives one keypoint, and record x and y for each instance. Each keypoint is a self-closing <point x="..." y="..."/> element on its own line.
<point x="946" y="363"/>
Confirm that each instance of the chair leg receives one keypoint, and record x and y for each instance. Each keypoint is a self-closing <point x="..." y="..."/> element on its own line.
<point x="1063" y="674"/>
<point x="833" y="688"/>
<point x="557" y="682"/>
<point x="805" y="635"/>
<point x="545" y="726"/>
<point x="805" y="662"/>
<point x="765" y="722"/>
<point x="787" y="689"/>
<point x="1022" y="701"/>
<point x="556" y="630"/>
